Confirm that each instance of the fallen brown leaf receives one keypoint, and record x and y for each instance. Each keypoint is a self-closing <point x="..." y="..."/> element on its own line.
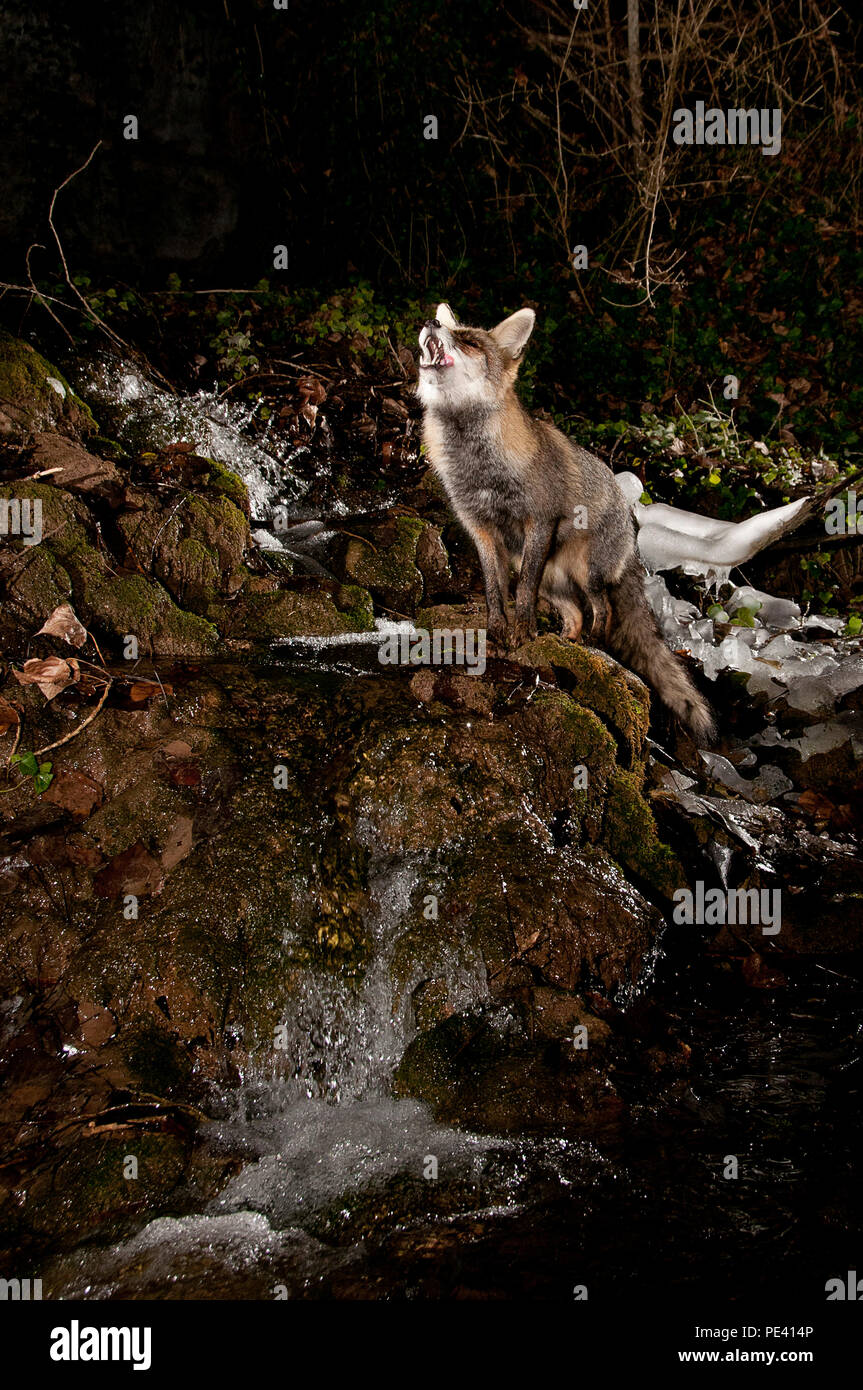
<point x="9" y="716"/>
<point x="147" y="690"/>
<point x="63" y="623"/>
<point x="51" y="675"/>
<point x="74" y="792"/>
<point x="134" y="870"/>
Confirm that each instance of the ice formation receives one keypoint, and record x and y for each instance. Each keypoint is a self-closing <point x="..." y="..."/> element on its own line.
<point x="671" y="538"/>
<point x="811" y="676"/>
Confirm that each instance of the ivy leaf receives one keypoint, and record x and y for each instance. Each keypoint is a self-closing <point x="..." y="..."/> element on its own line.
<point x="745" y="617"/>
<point x="43" y="779"/>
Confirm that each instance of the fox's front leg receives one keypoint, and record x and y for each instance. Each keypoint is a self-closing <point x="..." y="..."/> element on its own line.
<point x="537" y="543"/>
<point x="495" y="564"/>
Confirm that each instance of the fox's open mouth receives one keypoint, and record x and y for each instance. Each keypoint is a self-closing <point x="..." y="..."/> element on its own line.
<point x="434" y="354"/>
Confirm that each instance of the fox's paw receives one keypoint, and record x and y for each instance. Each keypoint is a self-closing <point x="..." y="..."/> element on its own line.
<point x="523" y="631"/>
<point x="497" y="636"/>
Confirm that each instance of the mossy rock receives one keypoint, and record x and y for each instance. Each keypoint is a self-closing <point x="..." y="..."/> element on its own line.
<point x="450" y="617"/>
<point x="33" y="585"/>
<point x="388" y="566"/>
<point x="229" y="484"/>
<point x="302" y="613"/>
<point x="194" y="547"/>
<point x="119" y="605"/>
<point x="89" y="1193"/>
<point x="629" y="831"/>
<point x="482" y="1071"/>
<point x="601" y="684"/>
<point x="34" y="395"/>
<point x="130" y="605"/>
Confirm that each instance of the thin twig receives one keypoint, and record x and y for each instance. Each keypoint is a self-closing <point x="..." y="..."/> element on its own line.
<point x="67" y="738"/>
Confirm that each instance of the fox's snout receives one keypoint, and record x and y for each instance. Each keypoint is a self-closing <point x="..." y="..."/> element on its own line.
<point x="436" y="346"/>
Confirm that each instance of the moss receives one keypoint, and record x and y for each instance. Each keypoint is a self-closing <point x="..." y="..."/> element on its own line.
<point x="107" y="448"/>
<point x="450" y="617"/>
<point x="132" y="605"/>
<point x="27" y="395"/>
<point x="631" y="836"/>
<point x="220" y="522"/>
<point x="599" y="682"/>
<point x="196" y="549"/>
<point x="264" y="617"/>
<point x="357" y="605"/>
<point x="86" y="1190"/>
<point x="36" y="587"/>
<point x="389" y="567"/>
<point x="575" y="732"/>
<point x="200" y="576"/>
<point x="579" y="738"/>
<point x="281" y="564"/>
<point x="223" y="480"/>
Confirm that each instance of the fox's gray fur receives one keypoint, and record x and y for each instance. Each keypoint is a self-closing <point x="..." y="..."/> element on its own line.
<point x="516" y="484"/>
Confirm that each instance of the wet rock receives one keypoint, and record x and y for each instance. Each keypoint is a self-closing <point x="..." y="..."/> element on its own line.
<point x="35" y="396"/>
<point x="483" y="1071"/>
<point x="69" y="565"/>
<point x="432" y="561"/>
<point x="73" y="468"/>
<point x="323" y="611"/>
<point x="194" y="545"/>
<point x="402" y="874"/>
<point x="386" y="565"/>
<point x="600" y="683"/>
<point x="730" y="843"/>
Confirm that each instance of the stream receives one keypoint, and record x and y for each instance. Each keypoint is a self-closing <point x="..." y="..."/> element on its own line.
<point x="713" y="1151"/>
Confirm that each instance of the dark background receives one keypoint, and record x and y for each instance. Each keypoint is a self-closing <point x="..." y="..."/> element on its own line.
<point x="304" y="127"/>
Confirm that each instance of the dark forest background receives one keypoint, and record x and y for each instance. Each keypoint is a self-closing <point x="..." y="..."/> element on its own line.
<point x="305" y="127"/>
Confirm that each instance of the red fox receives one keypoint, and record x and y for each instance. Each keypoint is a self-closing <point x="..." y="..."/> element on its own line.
<point x="534" y="501"/>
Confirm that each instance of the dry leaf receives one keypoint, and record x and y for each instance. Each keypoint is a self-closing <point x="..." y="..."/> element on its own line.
<point x="147" y="690"/>
<point x="177" y="749"/>
<point x="180" y="841"/>
<point x="63" y="623"/>
<point x="51" y="675"/>
<point x="9" y="716"/>
<point x="75" y="792"/>
<point x="132" y="871"/>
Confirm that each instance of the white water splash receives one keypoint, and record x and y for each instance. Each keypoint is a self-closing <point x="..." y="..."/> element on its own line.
<point x="143" y="416"/>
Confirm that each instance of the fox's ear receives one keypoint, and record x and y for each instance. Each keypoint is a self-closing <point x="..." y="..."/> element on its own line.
<point x="514" y="332"/>
<point x="445" y="316"/>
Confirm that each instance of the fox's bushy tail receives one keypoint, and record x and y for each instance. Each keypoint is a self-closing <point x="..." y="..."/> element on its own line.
<point x="635" y="638"/>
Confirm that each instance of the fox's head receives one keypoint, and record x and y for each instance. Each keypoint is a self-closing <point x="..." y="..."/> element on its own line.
<point x="462" y="367"/>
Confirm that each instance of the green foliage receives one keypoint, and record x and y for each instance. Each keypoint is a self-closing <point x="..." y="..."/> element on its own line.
<point x="703" y="460"/>
<point x="744" y="617"/>
<point x="41" y="774"/>
<point x="233" y="351"/>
